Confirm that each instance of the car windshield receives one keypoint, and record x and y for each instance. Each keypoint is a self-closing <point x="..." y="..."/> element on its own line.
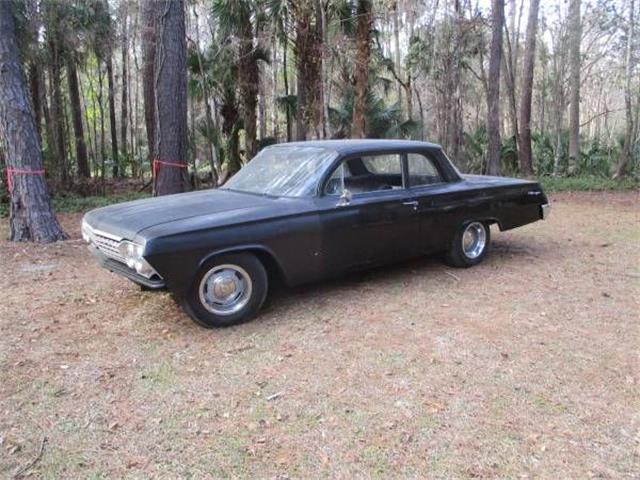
<point x="283" y="171"/>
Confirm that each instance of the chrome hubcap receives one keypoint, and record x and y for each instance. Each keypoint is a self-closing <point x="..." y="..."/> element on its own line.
<point x="474" y="240"/>
<point x="225" y="289"/>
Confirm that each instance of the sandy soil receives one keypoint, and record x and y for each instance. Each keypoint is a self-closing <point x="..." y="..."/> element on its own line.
<point x="526" y="366"/>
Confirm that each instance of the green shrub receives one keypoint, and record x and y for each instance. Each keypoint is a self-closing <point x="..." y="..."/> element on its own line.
<point x="591" y="183"/>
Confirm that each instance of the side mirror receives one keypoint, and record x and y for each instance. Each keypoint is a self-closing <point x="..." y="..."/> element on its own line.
<point x="345" y="198"/>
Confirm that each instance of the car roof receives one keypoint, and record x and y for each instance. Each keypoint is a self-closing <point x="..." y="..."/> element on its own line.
<point x="346" y="147"/>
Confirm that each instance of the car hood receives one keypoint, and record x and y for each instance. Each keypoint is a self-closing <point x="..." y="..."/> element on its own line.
<point x="128" y="219"/>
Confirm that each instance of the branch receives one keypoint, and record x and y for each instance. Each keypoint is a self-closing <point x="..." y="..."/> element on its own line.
<point x="599" y="115"/>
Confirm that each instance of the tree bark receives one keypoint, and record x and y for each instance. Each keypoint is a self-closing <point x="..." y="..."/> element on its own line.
<point x="575" y="35"/>
<point x="76" y="114"/>
<point x="31" y="214"/>
<point x="363" y="48"/>
<point x="524" y="139"/>
<point x="171" y="98"/>
<point x="493" y="90"/>
<point x="148" y="69"/>
<point x="35" y="85"/>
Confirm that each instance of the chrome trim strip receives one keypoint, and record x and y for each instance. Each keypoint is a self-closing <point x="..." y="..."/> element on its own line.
<point x="103" y="233"/>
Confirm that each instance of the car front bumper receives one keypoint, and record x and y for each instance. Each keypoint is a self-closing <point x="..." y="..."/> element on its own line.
<point x="121" y="269"/>
<point x="545" y="211"/>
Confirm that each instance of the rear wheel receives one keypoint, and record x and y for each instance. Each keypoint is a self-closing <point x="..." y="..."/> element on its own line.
<point x="470" y="245"/>
<point x="228" y="290"/>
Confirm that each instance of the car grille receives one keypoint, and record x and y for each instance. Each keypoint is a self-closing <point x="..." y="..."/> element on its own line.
<point x="108" y="246"/>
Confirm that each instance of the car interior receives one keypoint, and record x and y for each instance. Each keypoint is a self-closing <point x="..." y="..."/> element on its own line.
<point x="361" y="176"/>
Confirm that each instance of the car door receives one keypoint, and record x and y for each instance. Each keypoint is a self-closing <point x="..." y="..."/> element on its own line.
<point x="427" y="185"/>
<point x="378" y="223"/>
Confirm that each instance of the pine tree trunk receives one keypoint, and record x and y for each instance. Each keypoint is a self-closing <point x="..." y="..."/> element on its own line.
<point x="31" y="214"/>
<point x="308" y="52"/>
<point x="363" y="47"/>
<point x="285" y="79"/>
<point x="524" y="139"/>
<point x="76" y="114"/>
<point x="124" y="104"/>
<point x="211" y="148"/>
<point x="248" y="84"/>
<point x="171" y="98"/>
<point x="396" y="44"/>
<point x="455" y="125"/>
<point x="58" y="113"/>
<point x="575" y="35"/>
<point x="148" y="69"/>
<point x="625" y="157"/>
<point x="112" y="117"/>
<point x="493" y="90"/>
<point x="510" y="64"/>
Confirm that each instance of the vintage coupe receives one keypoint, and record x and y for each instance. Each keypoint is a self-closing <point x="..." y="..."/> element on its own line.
<point x="305" y="211"/>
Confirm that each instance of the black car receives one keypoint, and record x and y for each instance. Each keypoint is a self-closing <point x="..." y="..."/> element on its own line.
<point x="305" y="211"/>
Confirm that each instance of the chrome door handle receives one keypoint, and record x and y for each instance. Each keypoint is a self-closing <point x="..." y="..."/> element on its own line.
<point x="412" y="203"/>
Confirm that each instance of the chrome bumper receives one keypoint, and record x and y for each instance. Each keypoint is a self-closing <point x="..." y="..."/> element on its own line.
<point x="545" y="210"/>
<point x="121" y="269"/>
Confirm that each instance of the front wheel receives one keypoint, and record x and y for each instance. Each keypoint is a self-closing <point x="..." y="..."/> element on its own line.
<point x="469" y="245"/>
<point x="229" y="289"/>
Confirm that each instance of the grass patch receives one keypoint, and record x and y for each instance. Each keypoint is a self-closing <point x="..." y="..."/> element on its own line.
<point x="587" y="184"/>
<point x="162" y="375"/>
<point x="70" y="203"/>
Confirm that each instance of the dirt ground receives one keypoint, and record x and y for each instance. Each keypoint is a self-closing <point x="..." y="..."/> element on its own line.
<point x="526" y="366"/>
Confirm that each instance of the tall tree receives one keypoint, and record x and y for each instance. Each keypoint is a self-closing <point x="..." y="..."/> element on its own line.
<point x="363" y="47"/>
<point x="510" y="62"/>
<point x="211" y="148"/>
<point x="111" y="96"/>
<point x="493" y="90"/>
<point x="630" y="129"/>
<point x="575" y="37"/>
<point x="171" y="98"/>
<point x="524" y="139"/>
<point x="239" y="20"/>
<point x="148" y="69"/>
<point x="54" y="41"/>
<point x="31" y="215"/>
<point x="76" y="117"/>
<point x="308" y="50"/>
<point x="124" y="104"/>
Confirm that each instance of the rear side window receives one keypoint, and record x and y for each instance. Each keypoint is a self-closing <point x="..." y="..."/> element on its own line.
<point x="381" y="164"/>
<point x="422" y="170"/>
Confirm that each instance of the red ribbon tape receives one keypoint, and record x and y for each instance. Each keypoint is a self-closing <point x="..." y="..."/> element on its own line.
<point x="157" y="163"/>
<point x="18" y="171"/>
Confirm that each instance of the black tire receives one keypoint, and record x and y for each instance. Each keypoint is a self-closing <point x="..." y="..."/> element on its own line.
<point x="197" y="308"/>
<point x="456" y="256"/>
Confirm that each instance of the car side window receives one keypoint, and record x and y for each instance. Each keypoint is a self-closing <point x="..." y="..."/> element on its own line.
<point x="369" y="173"/>
<point x="422" y="170"/>
<point x="383" y="164"/>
